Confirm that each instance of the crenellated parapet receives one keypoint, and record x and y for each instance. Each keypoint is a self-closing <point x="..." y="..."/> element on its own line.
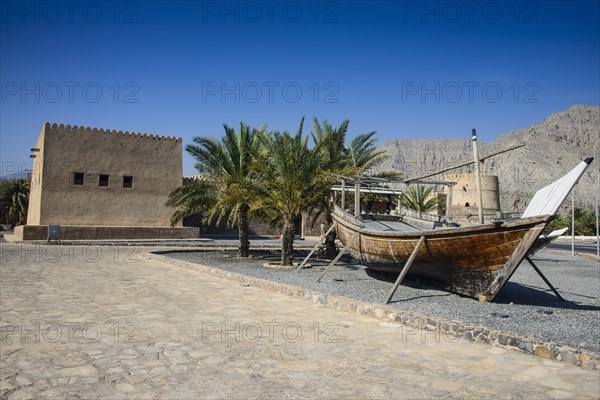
<point x="471" y="177"/>
<point x="83" y="130"/>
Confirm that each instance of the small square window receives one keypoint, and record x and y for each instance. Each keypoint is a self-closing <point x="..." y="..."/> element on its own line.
<point x="128" y="182"/>
<point x="78" y="178"/>
<point x="103" y="180"/>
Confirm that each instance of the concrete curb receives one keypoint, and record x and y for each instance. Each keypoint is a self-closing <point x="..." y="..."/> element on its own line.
<point x="589" y="256"/>
<point x="451" y="330"/>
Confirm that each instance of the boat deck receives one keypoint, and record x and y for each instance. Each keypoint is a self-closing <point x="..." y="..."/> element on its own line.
<point x="390" y="226"/>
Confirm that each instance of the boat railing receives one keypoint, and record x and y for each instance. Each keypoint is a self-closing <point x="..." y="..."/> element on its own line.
<point x="406" y="212"/>
<point x="345" y="215"/>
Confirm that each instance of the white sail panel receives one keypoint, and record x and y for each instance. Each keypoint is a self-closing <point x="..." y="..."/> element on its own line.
<point x="548" y="200"/>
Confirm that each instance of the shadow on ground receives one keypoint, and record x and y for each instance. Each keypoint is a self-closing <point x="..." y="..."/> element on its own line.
<point x="518" y="293"/>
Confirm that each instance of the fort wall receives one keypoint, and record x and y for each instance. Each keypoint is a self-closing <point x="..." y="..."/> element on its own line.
<point x="36" y="181"/>
<point x="464" y="193"/>
<point x="99" y="177"/>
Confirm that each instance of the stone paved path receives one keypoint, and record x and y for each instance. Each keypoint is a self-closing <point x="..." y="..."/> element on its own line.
<point x="85" y="322"/>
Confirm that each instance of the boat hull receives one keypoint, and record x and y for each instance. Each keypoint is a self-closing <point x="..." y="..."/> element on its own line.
<point x="473" y="261"/>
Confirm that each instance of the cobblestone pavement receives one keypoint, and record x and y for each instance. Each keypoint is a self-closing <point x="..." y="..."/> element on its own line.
<point x="91" y="322"/>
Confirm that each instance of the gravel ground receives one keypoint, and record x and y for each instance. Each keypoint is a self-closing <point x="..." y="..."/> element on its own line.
<point x="524" y="307"/>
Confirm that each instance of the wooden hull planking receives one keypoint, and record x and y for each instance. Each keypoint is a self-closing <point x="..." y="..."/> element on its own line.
<point x="473" y="261"/>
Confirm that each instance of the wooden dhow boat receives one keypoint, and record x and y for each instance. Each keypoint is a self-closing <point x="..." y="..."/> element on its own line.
<point x="475" y="261"/>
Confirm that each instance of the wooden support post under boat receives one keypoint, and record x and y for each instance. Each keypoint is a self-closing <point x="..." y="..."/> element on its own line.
<point x="315" y="248"/>
<point x="405" y="269"/>
<point x="478" y="177"/>
<point x="544" y="278"/>
<point x="340" y="254"/>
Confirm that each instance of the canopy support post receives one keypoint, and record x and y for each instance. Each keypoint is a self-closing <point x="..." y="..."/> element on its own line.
<point x="343" y="194"/>
<point x="357" y="199"/>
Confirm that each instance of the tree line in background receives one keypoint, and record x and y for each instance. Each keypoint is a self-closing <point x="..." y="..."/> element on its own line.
<point x="272" y="176"/>
<point x="585" y="223"/>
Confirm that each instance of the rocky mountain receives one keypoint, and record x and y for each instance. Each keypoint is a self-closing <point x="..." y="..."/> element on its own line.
<point x="551" y="149"/>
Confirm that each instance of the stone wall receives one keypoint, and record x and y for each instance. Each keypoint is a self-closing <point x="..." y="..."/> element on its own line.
<point x="69" y="232"/>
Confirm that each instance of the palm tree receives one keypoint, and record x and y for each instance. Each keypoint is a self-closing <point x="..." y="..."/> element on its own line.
<point x="287" y="183"/>
<point x="363" y="153"/>
<point x="367" y="197"/>
<point x="338" y="159"/>
<point x="585" y="223"/>
<point x="418" y="198"/>
<point x="358" y="157"/>
<point x="331" y="142"/>
<point x="197" y="197"/>
<point x="14" y="201"/>
<point x="226" y="164"/>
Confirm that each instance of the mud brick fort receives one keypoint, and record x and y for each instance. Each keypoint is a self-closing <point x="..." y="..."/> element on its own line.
<point x="103" y="184"/>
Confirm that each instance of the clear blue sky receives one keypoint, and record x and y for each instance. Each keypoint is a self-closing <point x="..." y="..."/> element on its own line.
<point x="407" y="69"/>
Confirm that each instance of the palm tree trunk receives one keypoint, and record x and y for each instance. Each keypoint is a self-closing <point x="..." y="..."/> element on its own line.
<point x="330" y="249"/>
<point x="287" y="242"/>
<point x="243" y="230"/>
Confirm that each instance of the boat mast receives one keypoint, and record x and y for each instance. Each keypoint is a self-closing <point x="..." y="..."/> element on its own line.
<point x="478" y="177"/>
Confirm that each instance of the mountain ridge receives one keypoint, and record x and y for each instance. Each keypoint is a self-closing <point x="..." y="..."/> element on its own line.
<point x="552" y="148"/>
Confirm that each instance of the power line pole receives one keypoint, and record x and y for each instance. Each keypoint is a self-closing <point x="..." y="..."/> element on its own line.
<point x="573" y="222"/>
<point x="597" y="190"/>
